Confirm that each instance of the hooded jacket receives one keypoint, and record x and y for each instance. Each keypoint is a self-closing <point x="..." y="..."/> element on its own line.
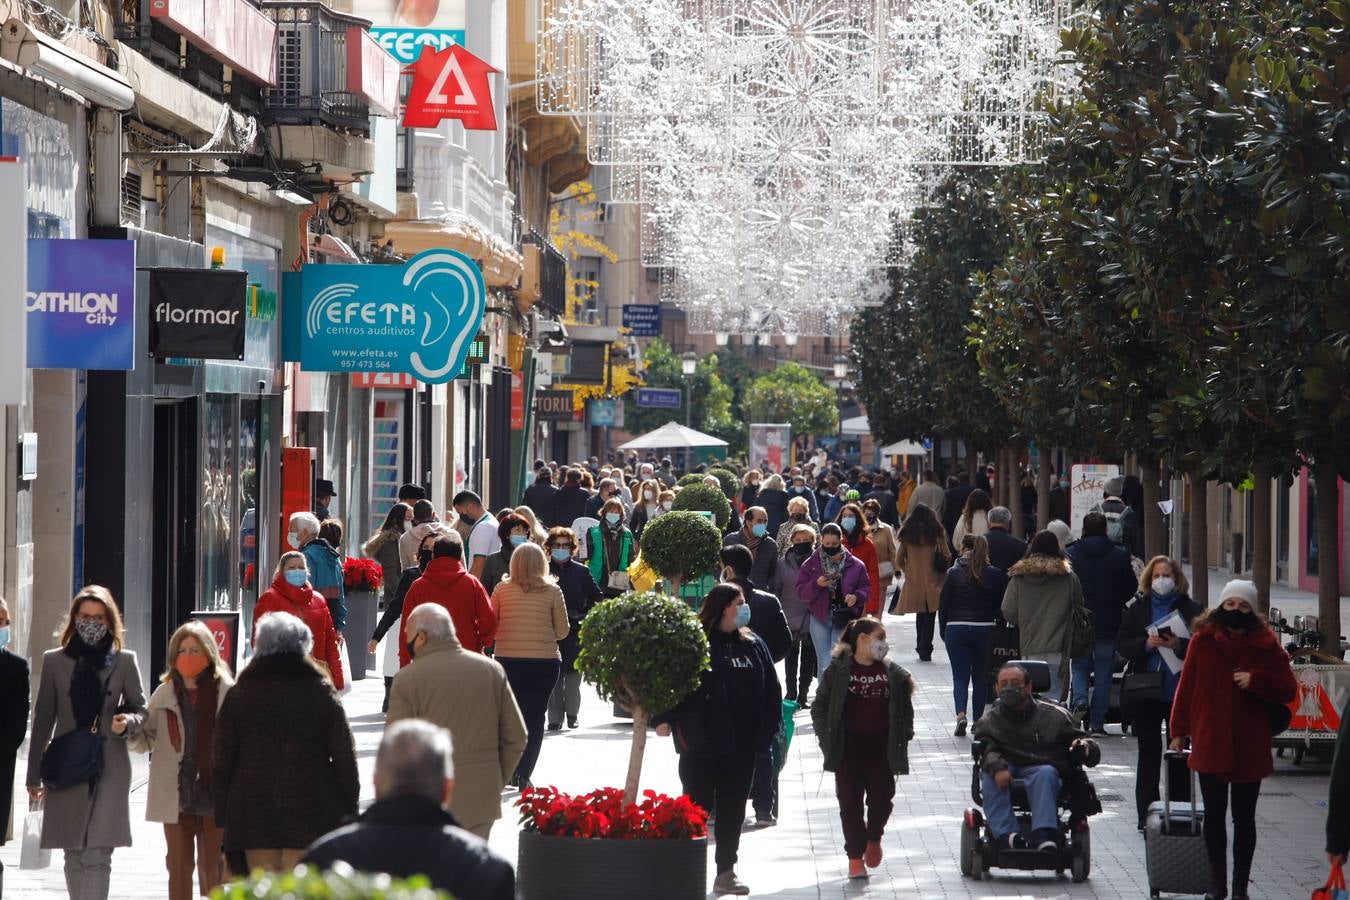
<point x="817" y="598"/>
<point x="325" y="575"/>
<point x="1038" y="735"/>
<point x="1041" y="592"/>
<point x="307" y="605"/>
<point x="827" y="712"/>
<point x="448" y="584"/>
<point x="412" y="539"/>
<point x="1104" y="570"/>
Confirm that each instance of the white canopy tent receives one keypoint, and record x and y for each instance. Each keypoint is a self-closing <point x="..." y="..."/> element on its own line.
<point x="673" y="436"/>
<point x="855" y="425"/>
<point x="904" y="448"/>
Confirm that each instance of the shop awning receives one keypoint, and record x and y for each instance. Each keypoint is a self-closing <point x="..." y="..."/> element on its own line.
<point x="904" y="448"/>
<point x="500" y="263"/>
<point x="854" y="426"/>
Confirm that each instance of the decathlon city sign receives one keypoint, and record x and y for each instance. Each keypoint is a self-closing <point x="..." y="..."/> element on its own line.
<point x="81" y="304"/>
<point x="418" y="318"/>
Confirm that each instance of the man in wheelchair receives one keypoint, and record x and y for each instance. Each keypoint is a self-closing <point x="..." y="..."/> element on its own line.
<point x="1036" y="742"/>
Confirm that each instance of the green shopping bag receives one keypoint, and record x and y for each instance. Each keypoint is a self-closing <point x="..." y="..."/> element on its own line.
<point x="783" y="739"/>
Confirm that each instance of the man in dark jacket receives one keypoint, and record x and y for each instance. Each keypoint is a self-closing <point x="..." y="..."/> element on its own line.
<point x="570" y="502"/>
<point x="1027" y="739"/>
<point x="407" y="830"/>
<point x="1122" y="525"/>
<point x="541" y="497"/>
<point x="1004" y="547"/>
<point x="1338" y="802"/>
<point x="1103" y="567"/>
<point x="799" y="489"/>
<point x="755" y="536"/>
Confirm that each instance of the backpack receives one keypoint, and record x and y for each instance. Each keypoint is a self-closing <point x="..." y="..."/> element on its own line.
<point x="1082" y="633"/>
<point x="1115" y="523"/>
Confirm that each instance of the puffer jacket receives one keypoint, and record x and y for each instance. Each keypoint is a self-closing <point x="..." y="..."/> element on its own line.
<point x="325" y="574"/>
<point x="308" y="606"/>
<point x="1041" y="592"/>
<point x="1039" y="735"/>
<point x="827" y="712"/>
<point x="966" y="600"/>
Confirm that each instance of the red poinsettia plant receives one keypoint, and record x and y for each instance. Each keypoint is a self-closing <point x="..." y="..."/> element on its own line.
<point x="361" y="574"/>
<point x="602" y="814"/>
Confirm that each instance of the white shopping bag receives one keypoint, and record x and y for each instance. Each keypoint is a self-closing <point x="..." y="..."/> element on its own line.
<point x="31" y="854"/>
<point x="346" y="667"/>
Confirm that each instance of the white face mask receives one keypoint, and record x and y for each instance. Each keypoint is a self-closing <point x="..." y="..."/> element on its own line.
<point x="667" y="504"/>
<point x="879" y="649"/>
<point x="1163" y="585"/>
<point x="407" y="525"/>
<point x="293" y="540"/>
<point x="648" y="496"/>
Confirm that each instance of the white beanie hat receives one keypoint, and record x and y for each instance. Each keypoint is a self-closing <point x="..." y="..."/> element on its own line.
<point x="1060" y="530"/>
<point x="1242" y="590"/>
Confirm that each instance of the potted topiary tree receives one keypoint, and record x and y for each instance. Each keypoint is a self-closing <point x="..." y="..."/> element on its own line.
<point x="730" y="481"/>
<point x="308" y="883"/>
<point x="700" y="498"/>
<point x="646" y="652"/>
<point x="682" y="546"/>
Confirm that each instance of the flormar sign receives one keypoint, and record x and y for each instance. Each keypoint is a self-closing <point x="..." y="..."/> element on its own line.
<point x="197" y="313"/>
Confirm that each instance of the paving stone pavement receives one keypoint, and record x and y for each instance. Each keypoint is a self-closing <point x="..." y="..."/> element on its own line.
<point x="802" y="856"/>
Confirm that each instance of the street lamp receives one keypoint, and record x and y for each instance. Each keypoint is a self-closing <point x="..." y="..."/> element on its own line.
<point x="688" y="365"/>
<point x="790" y="338"/>
<point x="720" y="338"/>
<point x="840" y="369"/>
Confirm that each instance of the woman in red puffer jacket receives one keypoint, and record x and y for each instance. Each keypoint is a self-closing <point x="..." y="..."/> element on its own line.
<point x="1235" y="669"/>
<point x="291" y="592"/>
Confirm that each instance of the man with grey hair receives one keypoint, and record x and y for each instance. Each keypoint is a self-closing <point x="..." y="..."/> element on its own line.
<point x="324" y="563"/>
<point x="467" y="694"/>
<point x="754" y="535"/>
<point x="1005" y="548"/>
<point x="408" y="831"/>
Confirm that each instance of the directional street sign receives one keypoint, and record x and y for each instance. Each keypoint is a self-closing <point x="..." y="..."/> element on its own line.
<point x="660" y="398"/>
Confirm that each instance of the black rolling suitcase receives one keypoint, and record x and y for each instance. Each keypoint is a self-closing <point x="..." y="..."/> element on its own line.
<point x="1174" y="840"/>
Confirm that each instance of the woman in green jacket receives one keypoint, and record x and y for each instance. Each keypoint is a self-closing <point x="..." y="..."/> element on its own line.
<point x="864" y="719"/>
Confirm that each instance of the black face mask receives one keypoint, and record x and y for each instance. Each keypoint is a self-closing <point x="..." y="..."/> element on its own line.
<point x="798" y="517"/>
<point x="1235" y="619"/>
<point x="412" y="652"/>
<point x="802" y="550"/>
<point x="423" y="559"/>
<point x="832" y="551"/>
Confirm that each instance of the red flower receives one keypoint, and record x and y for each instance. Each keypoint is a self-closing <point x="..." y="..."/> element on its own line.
<point x="359" y="574"/>
<point x="602" y="814"/>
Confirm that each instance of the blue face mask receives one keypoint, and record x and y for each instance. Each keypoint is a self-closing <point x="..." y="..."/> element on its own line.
<point x="518" y="539"/>
<point x="848" y="523"/>
<point x="4" y="637"/>
<point x="612" y="518"/>
<point x="296" y="577"/>
<point x="562" y="555"/>
<point x="743" y="615"/>
<point x="759" y="529"/>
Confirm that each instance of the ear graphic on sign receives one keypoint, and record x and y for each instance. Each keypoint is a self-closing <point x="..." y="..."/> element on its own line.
<point x="456" y="276"/>
<point x="450" y="84"/>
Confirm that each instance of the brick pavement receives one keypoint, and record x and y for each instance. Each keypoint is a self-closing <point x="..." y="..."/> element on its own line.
<point x="802" y="857"/>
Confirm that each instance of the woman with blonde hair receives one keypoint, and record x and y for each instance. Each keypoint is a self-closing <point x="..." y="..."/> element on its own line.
<point x="90" y="684"/>
<point x="537" y="533"/>
<point x="179" y="732"/>
<point x="531" y="619"/>
<point x="291" y="592"/>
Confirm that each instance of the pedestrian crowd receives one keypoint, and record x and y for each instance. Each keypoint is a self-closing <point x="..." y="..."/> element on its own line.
<point x="258" y="771"/>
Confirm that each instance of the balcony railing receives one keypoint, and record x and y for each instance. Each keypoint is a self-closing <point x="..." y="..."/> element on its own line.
<point x="312" y="84"/>
<point x="552" y="275"/>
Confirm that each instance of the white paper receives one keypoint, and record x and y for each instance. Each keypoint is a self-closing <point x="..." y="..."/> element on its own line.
<point x="1165" y="506"/>
<point x="1173" y="621"/>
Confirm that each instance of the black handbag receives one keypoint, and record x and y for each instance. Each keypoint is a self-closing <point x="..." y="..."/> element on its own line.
<point x="1279" y="715"/>
<point x="1142" y="687"/>
<point x="75" y="757"/>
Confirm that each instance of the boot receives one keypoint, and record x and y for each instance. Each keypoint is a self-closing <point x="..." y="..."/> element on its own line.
<point x="856" y="869"/>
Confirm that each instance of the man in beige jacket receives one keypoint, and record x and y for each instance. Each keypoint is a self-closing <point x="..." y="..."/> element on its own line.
<point x="468" y="695"/>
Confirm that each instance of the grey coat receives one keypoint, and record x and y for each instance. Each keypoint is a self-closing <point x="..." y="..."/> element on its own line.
<point x="77" y="818"/>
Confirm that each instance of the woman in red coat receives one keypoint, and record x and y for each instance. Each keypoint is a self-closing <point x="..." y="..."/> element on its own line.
<point x="1234" y="667"/>
<point x="291" y="592"/>
<point x="854" y="524"/>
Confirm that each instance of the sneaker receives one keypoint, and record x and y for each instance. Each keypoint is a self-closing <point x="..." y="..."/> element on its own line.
<point x="765" y="821"/>
<point x="1079" y="713"/>
<point x="1099" y="731"/>
<point x="727" y="883"/>
<point x="872" y="855"/>
<point x="960" y="724"/>
<point x="571" y="721"/>
<point x="1045" y="841"/>
<point x="555" y="726"/>
<point x="856" y="869"/>
<point x="1012" y="841"/>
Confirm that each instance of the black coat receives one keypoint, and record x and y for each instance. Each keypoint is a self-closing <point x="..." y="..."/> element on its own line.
<point x="1132" y="639"/>
<point x="767" y="619"/>
<point x="285" y="764"/>
<point x="393" y="610"/>
<point x="1004" y="548"/>
<point x="736" y="713"/>
<point x="14" y="692"/>
<point x="765" y="556"/>
<point x="580" y="593"/>
<point x="1103" y="568"/>
<point x="954" y="505"/>
<point x="774" y="502"/>
<point x="541" y="497"/>
<point x="889" y="514"/>
<point x="408" y="836"/>
<point x="570" y="504"/>
<point x="1338" y="803"/>
<point x="966" y="600"/>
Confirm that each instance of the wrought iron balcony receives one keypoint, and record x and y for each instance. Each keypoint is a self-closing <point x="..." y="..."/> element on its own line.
<point x="312" y="78"/>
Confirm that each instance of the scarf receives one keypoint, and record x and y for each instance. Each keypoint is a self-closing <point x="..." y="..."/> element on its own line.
<point x="86" y="688"/>
<point x="199" y="734"/>
<point x="611" y="535"/>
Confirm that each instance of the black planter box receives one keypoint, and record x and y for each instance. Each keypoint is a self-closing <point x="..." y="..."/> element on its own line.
<point x="565" y="868"/>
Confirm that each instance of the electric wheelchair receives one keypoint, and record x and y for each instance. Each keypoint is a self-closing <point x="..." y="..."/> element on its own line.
<point x="1077" y="800"/>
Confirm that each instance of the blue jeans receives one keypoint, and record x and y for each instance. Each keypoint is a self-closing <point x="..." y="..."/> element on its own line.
<point x="965" y="649"/>
<point x="1100" y="664"/>
<point x="823" y="638"/>
<point x="1043" y="784"/>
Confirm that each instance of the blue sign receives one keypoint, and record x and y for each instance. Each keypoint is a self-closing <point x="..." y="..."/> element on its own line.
<point x="81" y="304"/>
<point x="643" y="319"/>
<point x="602" y="412"/>
<point x="660" y="398"/>
<point x="419" y="318"/>
<point x="928" y="444"/>
<point x="405" y="44"/>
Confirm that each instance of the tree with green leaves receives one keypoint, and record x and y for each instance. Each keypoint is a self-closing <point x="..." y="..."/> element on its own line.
<point x="794" y="394"/>
<point x="712" y="398"/>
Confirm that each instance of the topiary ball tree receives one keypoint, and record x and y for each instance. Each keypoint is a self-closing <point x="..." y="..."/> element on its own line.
<point x="702" y="498"/>
<point x="682" y="545"/>
<point x="691" y="478"/>
<point x="645" y="652"/>
<point x="730" y="481"/>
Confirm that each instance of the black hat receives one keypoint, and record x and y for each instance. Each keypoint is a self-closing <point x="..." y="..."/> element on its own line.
<point x="324" y="488"/>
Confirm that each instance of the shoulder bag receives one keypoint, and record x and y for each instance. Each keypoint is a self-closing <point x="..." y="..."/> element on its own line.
<point x="75" y="757"/>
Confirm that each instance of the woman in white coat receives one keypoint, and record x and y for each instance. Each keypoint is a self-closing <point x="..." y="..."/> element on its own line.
<point x="179" y="732"/>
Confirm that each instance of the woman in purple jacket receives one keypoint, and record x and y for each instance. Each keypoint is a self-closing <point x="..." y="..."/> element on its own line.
<point x="834" y="586"/>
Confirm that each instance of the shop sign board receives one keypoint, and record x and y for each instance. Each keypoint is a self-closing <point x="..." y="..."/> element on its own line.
<point x="450" y="84"/>
<point x="517" y="401"/>
<point x="602" y="413"/>
<point x="403" y="28"/>
<point x="553" y="406"/>
<point x="198" y="313"/>
<point x="396" y="380"/>
<point x="81" y="304"/>
<point x="642" y="319"/>
<point x="419" y="318"/>
<point x="660" y="398"/>
<point x="1086" y="483"/>
<point x="224" y="627"/>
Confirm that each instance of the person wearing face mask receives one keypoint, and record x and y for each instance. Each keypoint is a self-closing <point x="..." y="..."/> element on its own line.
<point x="609" y="549"/>
<point x="512" y="531"/>
<point x="1234" y="669"/>
<point x="834" y="586"/>
<point x="754" y="535"/>
<point x="722" y="726"/>
<point x="967" y="609"/>
<point x="904" y="488"/>
<point x="324" y="562"/>
<point x="924" y="560"/>
<point x="784" y="584"/>
<point x="1061" y="500"/>
<point x="863" y="716"/>
<point x="580" y="593"/>
<point x="858" y="541"/>
<point x="646" y="508"/>
<point x="291" y="592"/>
<point x="89" y="682"/>
<point x="798" y="513"/>
<point x="667" y="499"/>
<point x="882" y="536"/>
<point x="1031" y="740"/>
<point x="424" y="522"/>
<point x="799" y="489"/>
<point x="179" y="734"/>
<point x="383" y="548"/>
<point x="14" y="687"/>
<point x="773" y="498"/>
<point x="393" y="615"/>
<point x="1162" y="590"/>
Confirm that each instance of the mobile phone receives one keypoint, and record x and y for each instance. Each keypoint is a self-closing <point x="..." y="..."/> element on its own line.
<point x="1166" y="633"/>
